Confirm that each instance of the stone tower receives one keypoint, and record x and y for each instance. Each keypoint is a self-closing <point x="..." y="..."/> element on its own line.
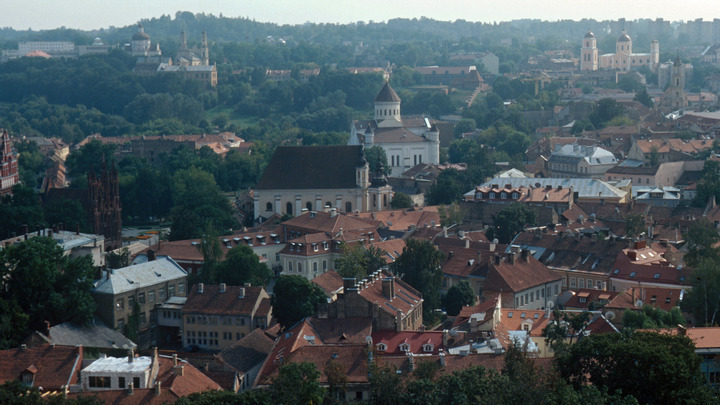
<point x="9" y="175"/>
<point x="205" y="51"/>
<point x="589" y="52"/>
<point x="105" y="212"/>
<point x="387" y="108"/>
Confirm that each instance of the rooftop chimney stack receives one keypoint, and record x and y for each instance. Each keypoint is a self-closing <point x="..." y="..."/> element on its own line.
<point x="131" y="356"/>
<point x="130" y="388"/>
<point x="526" y="255"/>
<point x="388" y="288"/>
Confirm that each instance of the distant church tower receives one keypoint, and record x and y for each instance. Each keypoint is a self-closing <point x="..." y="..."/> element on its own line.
<point x="105" y="211"/>
<point x="674" y="96"/>
<point x="589" y="52"/>
<point x="205" y="51"/>
<point x="9" y="175"/>
<point x="387" y="108"/>
<point x="140" y="42"/>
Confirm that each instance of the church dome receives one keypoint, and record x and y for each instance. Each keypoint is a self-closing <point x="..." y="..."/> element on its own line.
<point x="624" y="38"/>
<point x="387" y="94"/>
<point x="140" y="35"/>
<point x="589" y="34"/>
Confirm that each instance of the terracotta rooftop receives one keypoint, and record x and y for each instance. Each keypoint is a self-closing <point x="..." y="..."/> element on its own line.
<point x="234" y="300"/>
<point x="427" y="342"/>
<point x="52" y="366"/>
<point x="247" y="352"/>
<point x="663" y="298"/>
<point x="517" y="276"/>
<point x="330" y="282"/>
<point x="400" y="220"/>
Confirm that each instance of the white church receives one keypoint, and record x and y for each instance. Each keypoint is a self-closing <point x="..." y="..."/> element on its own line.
<point x="407" y="142"/>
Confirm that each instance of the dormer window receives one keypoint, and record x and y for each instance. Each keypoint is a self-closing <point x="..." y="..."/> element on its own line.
<point x="492" y="196"/>
<point x="404" y="347"/>
<point x="325" y="245"/>
<point x="503" y="195"/>
<point x="515" y="196"/>
<point x="427" y="348"/>
<point x="381" y="347"/>
<point x="315" y="247"/>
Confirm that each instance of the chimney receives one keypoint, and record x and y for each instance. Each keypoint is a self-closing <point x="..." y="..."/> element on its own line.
<point x="130" y="388"/>
<point x="512" y="257"/>
<point x="47" y="328"/>
<point x="526" y="255"/>
<point x="411" y="362"/>
<point x="158" y="389"/>
<point x="223" y="286"/>
<point x="241" y="295"/>
<point x="131" y="356"/>
<point x="388" y="288"/>
<point x="467" y="243"/>
<point x="174" y="359"/>
<point x="333" y="212"/>
<point x="23" y="347"/>
<point x="151" y="255"/>
<point x="497" y="258"/>
<point x="479" y="257"/>
<point x="445" y="337"/>
<point x="682" y="331"/>
<point x="201" y="287"/>
<point x="25" y="231"/>
<point x="348" y="283"/>
<point x="442" y="359"/>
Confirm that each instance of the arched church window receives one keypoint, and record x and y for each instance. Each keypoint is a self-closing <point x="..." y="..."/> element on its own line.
<point x="308" y="205"/>
<point x="288" y="208"/>
<point x="268" y="207"/>
<point x="348" y="206"/>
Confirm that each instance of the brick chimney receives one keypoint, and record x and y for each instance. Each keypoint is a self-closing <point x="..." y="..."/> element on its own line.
<point x="388" y="288"/>
<point x="526" y="255"/>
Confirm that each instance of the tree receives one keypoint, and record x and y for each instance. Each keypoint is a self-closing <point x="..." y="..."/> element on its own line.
<point x="450" y="215"/>
<point x="358" y="262"/>
<point x="241" y="265"/>
<point x="459" y="295"/>
<point x="652" y="367"/>
<point x="90" y="157"/>
<point x="297" y="383"/>
<point x="377" y="160"/>
<point x="336" y="374"/>
<point x="606" y="110"/>
<point x="419" y="266"/>
<point x="385" y="386"/>
<point x="20" y="208"/>
<point x="634" y="225"/>
<point x="295" y="298"/>
<point x="652" y="318"/>
<point x="117" y="260"/>
<point x="199" y="204"/>
<point x="509" y="221"/>
<point x="44" y="283"/>
<point x="464" y="126"/>
<point x="400" y="200"/>
<point x="703" y="301"/>
<point x="643" y="97"/>
<point x="702" y="236"/>
<point x="654" y="156"/>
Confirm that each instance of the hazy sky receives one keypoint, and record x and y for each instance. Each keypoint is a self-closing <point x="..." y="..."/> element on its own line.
<point x="92" y="14"/>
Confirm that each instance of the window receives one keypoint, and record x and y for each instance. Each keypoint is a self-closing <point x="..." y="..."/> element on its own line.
<point x="161" y="293"/>
<point x="268" y="207"/>
<point x="136" y="382"/>
<point x="582" y="299"/>
<point x="143" y="319"/>
<point x="572" y="282"/>
<point x="141" y="298"/>
<point x="581" y="283"/>
<point x="315" y="247"/>
<point x="348" y="206"/>
<point x="99" y="382"/>
<point x="315" y="267"/>
<point x="131" y="302"/>
<point x="121" y="382"/>
<point x="299" y="267"/>
<point x="427" y="348"/>
<point x="181" y="288"/>
<point x="404" y="347"/>
<point x="324" y="265"/>
<point x="120" y="305"/>
<point x="657" y="275"/>
<point x="151" y="296"/>
<point x="121" y="324"/>
<point x="510" y="314"/>
<point x="171" y="290"/>
<point x="288" y="208"/>
<point x="632" y="275"/>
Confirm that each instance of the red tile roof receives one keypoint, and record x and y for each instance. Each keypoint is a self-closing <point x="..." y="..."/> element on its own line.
<point x="519" y="276"/>
<point x="213" y="301"/>
<point x="330" y="282"/>
<point x="663" y="298"/>
<point x="54" y="366"/>
<point x="392" y="341"/>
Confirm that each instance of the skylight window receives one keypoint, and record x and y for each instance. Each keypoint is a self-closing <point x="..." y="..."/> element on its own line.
<point x="632" y="274"/>
<point x="657" y="275"/>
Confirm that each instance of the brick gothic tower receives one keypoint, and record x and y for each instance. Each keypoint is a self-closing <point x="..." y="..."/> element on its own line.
<point x="105" y="212"/>
<point x="9" y="175"/>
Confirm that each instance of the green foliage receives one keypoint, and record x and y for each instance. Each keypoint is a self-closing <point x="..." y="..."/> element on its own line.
<point x="652" y="318"/>
<point x="377" y="160"/>
<point x="653" y="368"/>
<point x="20" y="208"/>
<point x="295" y="298"/>
<point x="254" y="397"/>
<point x="509" y="221"/>
<point x="43" y="283"/>
<point x="198" y="204"/>
<point x="702" y="236"/>
<point x="703" y="300"/>
<point x="358" y="262"/>
<point x="464" y="126"/>
<point x="634" y="225"/>
<point x="400" y="201"/>
<point x="459" y="295"/>
<point x="242" y="265"/>
<point x="385" y="386"/>
<point x="643" y="97"/>
<point x="447" y="189"/>
<point x="132" y="327"/>
<point x="90" y="157"/>
<point x="297" y="383"/>
<point x="117" y="260"/>
<point x="336" y="374"/>
<point x="450" y="214"/>
<point x="605" y="110"/>
<point x="419" y="266"/>
<point x="709" y="186"/>
<point x="69" y="212"/>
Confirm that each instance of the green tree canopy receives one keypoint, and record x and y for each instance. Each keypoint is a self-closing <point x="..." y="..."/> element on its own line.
<point x="459" y="295"/>
<point x="297" y="383"/>
<point x="419" y="266"/>
<point x="509" y="221"/>
<point x="358" y="262"/>
<point x="44" y="283"/>
<point x="653" y="368"/>
<point x="294" y="298"/>
<point x="400" y="200"/>
<point x="703" y="300"/>
<point x="198" y="203"/>
<point x="242" y="265"/>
